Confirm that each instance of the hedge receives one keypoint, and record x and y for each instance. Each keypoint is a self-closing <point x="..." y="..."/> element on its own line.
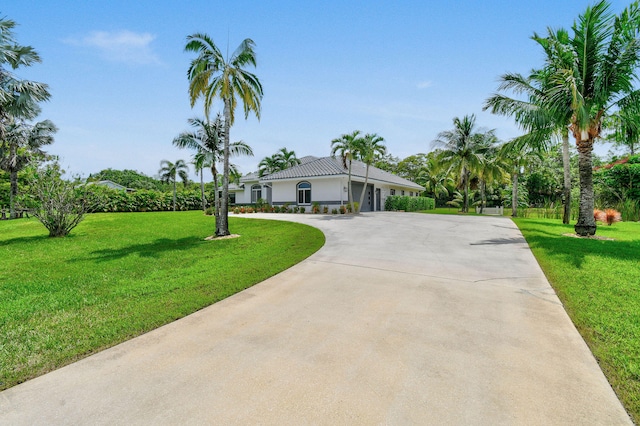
<point x="102" y="199"/>
<point x="409" y="204"/>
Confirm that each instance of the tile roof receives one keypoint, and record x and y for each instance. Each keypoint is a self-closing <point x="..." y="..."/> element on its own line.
<point x="331" y="166"/>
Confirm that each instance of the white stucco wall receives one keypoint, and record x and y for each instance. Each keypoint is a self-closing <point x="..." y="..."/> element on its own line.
<point x="326" y="191"/>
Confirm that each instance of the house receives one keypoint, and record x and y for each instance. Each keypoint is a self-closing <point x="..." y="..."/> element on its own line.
<point x="112" y="185"/>
<point x="324" y="181"/>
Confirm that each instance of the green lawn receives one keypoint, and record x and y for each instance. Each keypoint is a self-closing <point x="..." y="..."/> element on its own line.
<point x="599" y="285"/>
<point x="119" y="275"/>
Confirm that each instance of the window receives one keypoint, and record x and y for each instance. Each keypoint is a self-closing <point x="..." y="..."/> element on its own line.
<point x="411" y="194"/>
<point x="304" y="193"/>
<point x="256" y="193"/>
<point x="393" y="192"/>
<point x="402" y="192"/>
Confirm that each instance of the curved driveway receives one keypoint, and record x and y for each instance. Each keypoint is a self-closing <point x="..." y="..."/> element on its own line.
<point x="399" y="319"/>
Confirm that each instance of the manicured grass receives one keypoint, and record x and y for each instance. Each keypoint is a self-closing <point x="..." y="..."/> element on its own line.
<point x="450" y="210"/>
<point x="120" y="275"/>
<point x="599" y="285"/>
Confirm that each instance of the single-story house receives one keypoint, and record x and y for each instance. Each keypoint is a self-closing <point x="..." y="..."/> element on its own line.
<point x="112" y="185"/>
<point x="322" y="180"/>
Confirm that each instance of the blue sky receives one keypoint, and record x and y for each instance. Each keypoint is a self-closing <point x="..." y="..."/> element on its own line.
<point x="117" y="70"/>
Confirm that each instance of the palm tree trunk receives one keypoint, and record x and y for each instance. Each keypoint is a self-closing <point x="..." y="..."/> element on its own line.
<point x="366" y="181"/>
<point x="204" y="205"/>
<point x="13" y="193"/>
<point x="223" y="222"/>
<point x="174" y="194"/>
<point x="216" y="195"/>
<point x="586" y="224"/>
<point x="514" y="193"/>
<point x="465" y="199"/>
<point x="350" y="194"/>
<point x="566" y="164"/>
<point x="482" y="195"/>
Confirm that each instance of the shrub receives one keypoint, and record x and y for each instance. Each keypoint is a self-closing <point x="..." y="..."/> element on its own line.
<point x="349" y="208"/>
<point x="209" y="211"/>
<point x="250" y="210"/>
<point x="302" y="209"/>
<point x="315" y="207"/>
<point x="296" y="209"/>
<point x="343" y="209"/>
<point x="325" y="209"/>
<point x="611" y="216"/>
<point x="409" y="204"/>
<point x="58" y="204"/>
<point x="356" y="206"/>
<point x="334" y="211"/>
<point x="599" y="215"/>
<point x="276" y="209"/>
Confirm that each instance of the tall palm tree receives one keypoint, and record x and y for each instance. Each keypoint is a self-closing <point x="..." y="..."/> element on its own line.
<point x="208" y="142"/>
<point x="600" y="78"/>
<point x="542" y="119"/>
<point x="18" y="98"/>
<point x="200" y="163"/>
<point x="22" y="143"/>
<point x="212" y="76"/>
<point x="347" y="147"/>
<point x="370" y="148"/>
<point x="170" y="172"/>
<point x="462" y="151"/>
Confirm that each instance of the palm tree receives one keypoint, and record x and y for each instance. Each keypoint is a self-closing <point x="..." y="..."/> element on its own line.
<point x="18" y="98"/>
<point x="600" y="78"/>
<point x="347" y="146"/>
<point x="287" y="158"/>
<point x="625" y="125"/>
<point x="536" y="115"/>
<point x="434" y="177"/>
<point x="369" y="149"/>
<point x="169" y="172"/>
<point x="212" y="76"/>
<point x="199" y="163"/>
<point x="208" y="142"/>
<point x="22" y="143"/>
<point x="462" y="152"/>
<point x="281" y="160"/>
<point x="269" y="165"/>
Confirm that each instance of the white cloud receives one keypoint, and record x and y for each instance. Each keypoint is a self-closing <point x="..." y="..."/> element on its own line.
<point x="425" y="84"/>
<point x="120" y="46"/>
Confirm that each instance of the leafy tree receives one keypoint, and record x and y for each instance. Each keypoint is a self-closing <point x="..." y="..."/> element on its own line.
<point x="462" y="152"/>
<point x="370" y="148"/>
<point x="169" y="172"/>
<point x="625" y="128"/>
<point x="58" y="204"/>
<point x="411" y="167"/>
<point x="208" y="141"/>
<point x="21" y="144"/>
<point x="347" y="147"/>
<point x="388" y="163"/>
<point x="600" y="78"/>
<point x="212" y="76"/>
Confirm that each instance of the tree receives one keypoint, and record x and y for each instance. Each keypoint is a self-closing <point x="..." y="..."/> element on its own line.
<point x="212" y="76"/>
<point x="434" y="177"/>
<point x="208" y="141"/>
<point x="625" y="127"/>
<point x="281" y="160"/>
<point x="410" y="167"/>
<point x="462" y="152"/>
<point x="600" y="78"/>
<point x="169" y="172"/>
<point x="58" y="204"/>
<point x="22" y="143"/>
<point x="370" y="148"/>
<point x="18" y="98"/>
<point x="541" y="118"/>
<point x="347" y="147"/>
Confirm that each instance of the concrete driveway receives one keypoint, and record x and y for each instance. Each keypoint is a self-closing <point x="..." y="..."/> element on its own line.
<point x="400" y="319"/>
